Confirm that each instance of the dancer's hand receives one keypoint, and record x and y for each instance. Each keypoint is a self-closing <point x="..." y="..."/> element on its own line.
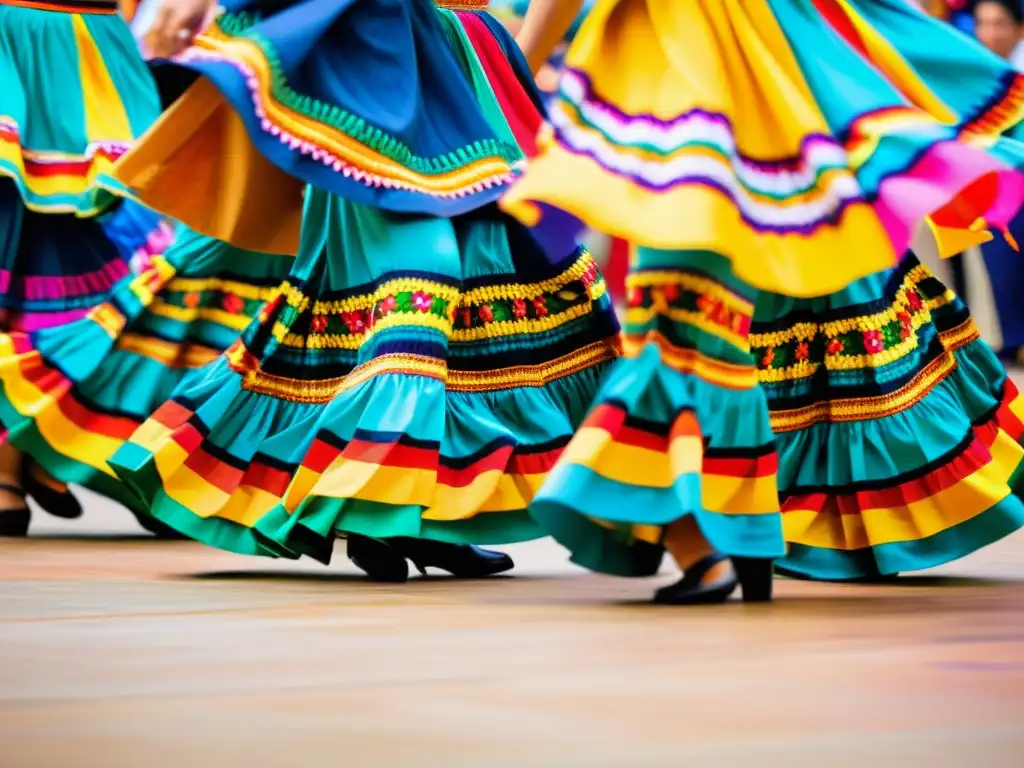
<point x="547" y="79"/>
<point x="176" y="25"/>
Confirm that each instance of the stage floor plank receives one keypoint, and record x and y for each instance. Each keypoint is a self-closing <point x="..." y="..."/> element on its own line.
<point x="120" y="651"/>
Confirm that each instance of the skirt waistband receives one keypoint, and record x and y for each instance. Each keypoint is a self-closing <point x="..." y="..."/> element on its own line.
<point x="98" y="7"/>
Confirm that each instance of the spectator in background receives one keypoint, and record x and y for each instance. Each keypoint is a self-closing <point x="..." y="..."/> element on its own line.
<point x="997" y="25"/>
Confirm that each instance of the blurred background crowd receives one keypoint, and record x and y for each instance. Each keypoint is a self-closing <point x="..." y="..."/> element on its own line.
<point x="991" y="278"/>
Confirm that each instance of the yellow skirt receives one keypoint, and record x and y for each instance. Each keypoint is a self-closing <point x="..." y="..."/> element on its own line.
<point x="791" y="137"/>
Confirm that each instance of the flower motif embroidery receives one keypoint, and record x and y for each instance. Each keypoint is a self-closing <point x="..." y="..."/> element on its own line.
<point x="486" y="313"/>
<point x="835" y="345"/>
<point x="873" y="343"/>
<point x="670" y="292"/>
<point x="769" y="357"/>
<point x="422" y="302"/>
<point x="192" y="299"/>
<point x="802" y="351"/>
<point x="467" y="317"/>
<point x="540" y="306"/>
<point x="914" y="300"/>
<point x="722" y="315"/>
<point x="232" y="303"/>
<point x="355" y="321"/>
<point x="518" y="308"/>
<point x="387" y="305"/>
<point x="318" y="324"/>
<point x="906" y="324"/>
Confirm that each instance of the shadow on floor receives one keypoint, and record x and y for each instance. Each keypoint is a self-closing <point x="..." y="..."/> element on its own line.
<point x="341" y="576"/>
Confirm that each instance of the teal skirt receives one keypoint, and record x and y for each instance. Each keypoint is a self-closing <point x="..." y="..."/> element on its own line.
<point x="75" y="94"/>
<point x="899" y="433"/>
<point x="680" y="428"/>
<point x="71" y="395"/>
<point x="414" y="375"/>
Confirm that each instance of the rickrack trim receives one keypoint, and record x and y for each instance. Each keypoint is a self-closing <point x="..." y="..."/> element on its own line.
<point x="239" y="26"/>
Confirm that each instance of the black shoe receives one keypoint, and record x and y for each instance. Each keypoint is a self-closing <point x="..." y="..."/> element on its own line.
<point x="376" y="558"/>
<point x="58" y="504"/>
<point x="752" y="575"/>
<point x="463" y="561"/>
<point x="158" y="529"/>
<point x="690" y="590"/>
<point x="755" y="577"/>
<point x="14" y="522"/>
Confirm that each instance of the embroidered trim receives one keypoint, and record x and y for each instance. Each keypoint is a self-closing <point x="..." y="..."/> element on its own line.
<point x="868" y="408"/>
<point x="685" y="297"/>
<point x="479" y="313"/>
<point x="869" y="341"/>
<point x="193" y="297"/>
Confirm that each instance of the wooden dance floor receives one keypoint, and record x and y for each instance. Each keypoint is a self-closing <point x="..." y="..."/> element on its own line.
<point x="118" y="650"/>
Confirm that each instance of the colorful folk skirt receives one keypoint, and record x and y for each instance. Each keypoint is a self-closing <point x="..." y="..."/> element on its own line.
<point x="899" y="433"/>
<point x="75" y="94"/>
<point x="778" y="134"/>
<point x="680" y="427"/>
<point x="71" y="395"/>
<point x="271" y="112"/>
<point x="415" y="375"/>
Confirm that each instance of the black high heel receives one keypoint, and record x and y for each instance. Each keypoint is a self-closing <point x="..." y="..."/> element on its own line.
<point x="463" y="561"/>
<point x="755" y="578"/>
<point x="14" y="522"/>
<point x="692" y="590"/>
<point x="377" y="559"/>
<point x="63" y="505"/>
<point x="752" y="575"/>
